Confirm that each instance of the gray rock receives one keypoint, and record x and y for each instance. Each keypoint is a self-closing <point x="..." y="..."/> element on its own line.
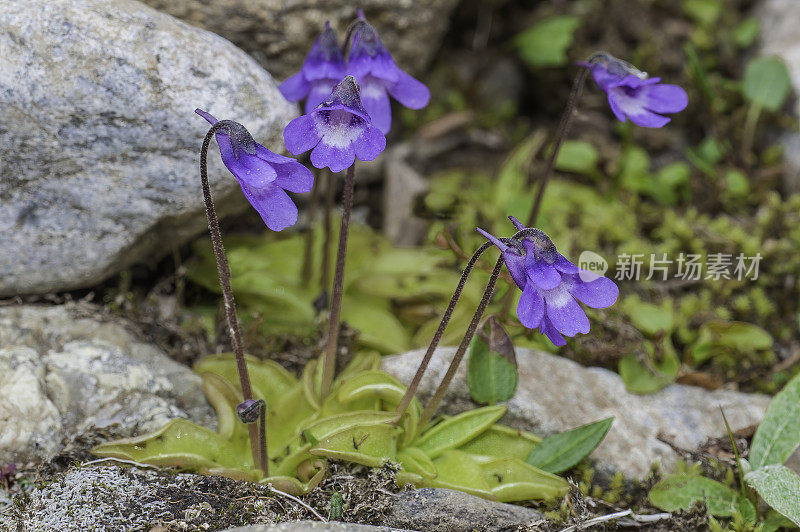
<point x="302" y="526"/>
<point x="62" y="373"/>
<point x="443" y="510"/>
<point x="98" y="140"/>
<point x="279" y="34"/>
<point x="779" y="37"/>
<point x="556" y="394"/>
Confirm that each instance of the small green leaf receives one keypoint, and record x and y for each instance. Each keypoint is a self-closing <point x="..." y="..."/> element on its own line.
<point x="560" y="452"/>
<point x="501" y="441"/>
<point x="774" y="522"/>
<point x="545" y="44"/>
<point x="643" y="378"/>
<point x="718" y="337"/>
<point x="780" y="487"/>
<point x="491" y="366"/>
<point x="680" y="492"/>
<point x="511" y="480"/>
<point x="269" y="380"/>
<point x="414" y="460"/>
<point x="746" y="32"/>
<point x="336" y="506"/>
<point x="704" y="12"/>
<point x="577" y="156"/>
<point x="649" y="318"/>
<point x="634" y="173"/>
<point x="369" y="444"/>
<point x="778" y="435"/>
<point x="459" y="471"/>
<point x="766" y="83"/>
<point x="458" y="430"/>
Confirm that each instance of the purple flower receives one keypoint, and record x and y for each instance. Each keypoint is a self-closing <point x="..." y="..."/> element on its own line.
<point x="631" y="94"/>
<point x="322" y="69"/>
<point x="552" y="286"/>
<point x="264" y="176"/>
<point x="339" y="130"/>
<point x="376" y="72"/>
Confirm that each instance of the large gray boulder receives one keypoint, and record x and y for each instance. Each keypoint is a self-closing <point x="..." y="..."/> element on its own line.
<point x="555" y="394"/>
<point x="279" y="33"/>
<point x="98" y="140"/>
<point x="779" y="36"/>
<point x="63" y="371"/>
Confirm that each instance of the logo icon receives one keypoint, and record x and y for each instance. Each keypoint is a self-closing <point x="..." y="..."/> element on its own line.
<point x="592" y="266"/>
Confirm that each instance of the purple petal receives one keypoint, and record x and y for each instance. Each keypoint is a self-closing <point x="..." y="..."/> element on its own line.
<point x="295" y="88"/>
<point x="376" y="102"/>
<point x="664" y="98"/>
<point x="337" y="158"/>
<point x="211" y="120"/>
<point x="273" y="204"/>
<point x="410" y="92"/>
<point x="294" y="177"/>
<point x="300" y="135"/>
<point x="563" y="265"/>
<point x="543" y="275"/>
<point x="634" y="107"/>
<point x="370" y="144"/>
<point x="270" y="157"/>
<point x="519" y="225"/>
<point x="565" y="313"/>
<point x="547" y="329"/>
<point x="502" y="246"/>
<point x="530" y="308"/>
<point x="320" y="89"/>
<point x="600" y="293"/>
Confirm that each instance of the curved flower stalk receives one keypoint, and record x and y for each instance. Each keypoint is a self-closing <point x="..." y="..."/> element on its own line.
<point x="379" y="76"/>
<point x="632" y="95"/>
<point x="322" y="70"/>
<point x="338" y="130"/>
<point x="552" y="285"/>
<point x="264" y="176"/>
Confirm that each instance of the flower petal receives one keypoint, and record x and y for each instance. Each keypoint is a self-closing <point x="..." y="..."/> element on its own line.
<point x="273" y="204"/>
<point x="634" y="108"/>
<point x="211" y="120"/>
<point x="409" y="91"/>
<point x="563" y="264"/>
<point x="295" y="88"/>
<point x="547" y="329"/>
<point x="664" y="98"/>
<point x="543" y="275"/>
<point x="370" y="143"/>
<point x="337" y="158"/>
<point x="320" y="89"/>
<point x="564" y="312"/>
<point x="600" y="293"/>
<point x="530" y="308"/>
<point x="294" y="177"/>
<point x="300" y="135"/>
<point x="377" y="104"/>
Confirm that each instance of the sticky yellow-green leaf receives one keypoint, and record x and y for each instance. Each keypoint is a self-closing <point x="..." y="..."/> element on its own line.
<point x="458" y="430"/>
<point x="511" y="479"/>
<point x="502" y="441"/>
<point x="369" y="444"/>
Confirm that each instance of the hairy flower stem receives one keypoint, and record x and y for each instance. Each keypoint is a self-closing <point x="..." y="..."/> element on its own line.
<point x="558" y="140"/>
<point x="438" y="395"/>
<point x="332" y="342"/>
<point x="437" y="336"/>
<point x="308" y="250"/>
<point x="324" y="280"/>
<point x="224" y="270"/>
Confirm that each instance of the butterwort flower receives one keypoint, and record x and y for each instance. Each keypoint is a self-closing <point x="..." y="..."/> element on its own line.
<point x="338" y="130"/>
<point x="552" y="286"/>
<point x="264" y="176"/>
<point x="631" y="94"/>
<point x="378" y="76"/>
<point x="322" y="70"/>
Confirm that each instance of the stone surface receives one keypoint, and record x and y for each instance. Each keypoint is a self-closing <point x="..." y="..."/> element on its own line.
<point x="556" y="394"/>
<point x="302" y="526"/>
<point x="98" y="140"/>
<point x="62" y="372"/>
<point x="779" y="37"/>
<point x="279" y="34"/>
<point x="442" y="510"/>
